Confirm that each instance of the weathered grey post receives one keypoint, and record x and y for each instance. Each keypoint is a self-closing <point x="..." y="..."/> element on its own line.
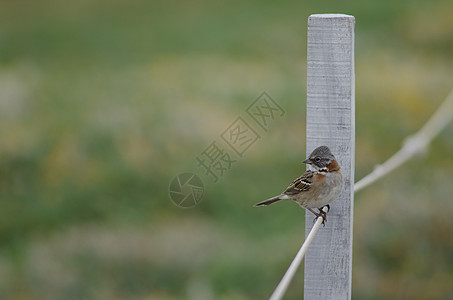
<point x="330" y="122"/>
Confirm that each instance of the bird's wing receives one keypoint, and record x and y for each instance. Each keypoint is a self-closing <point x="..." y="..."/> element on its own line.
<point x="301" y="184"/>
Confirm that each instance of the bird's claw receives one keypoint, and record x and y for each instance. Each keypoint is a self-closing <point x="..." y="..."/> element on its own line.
<point x="322" y="214"/>
<point x="324" y="219"/>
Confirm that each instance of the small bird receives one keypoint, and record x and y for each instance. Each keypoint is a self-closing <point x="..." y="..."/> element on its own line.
<point x="314" y="188"/>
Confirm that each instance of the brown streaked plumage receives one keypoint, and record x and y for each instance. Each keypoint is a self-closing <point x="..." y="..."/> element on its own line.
<point x="314" y="188"/>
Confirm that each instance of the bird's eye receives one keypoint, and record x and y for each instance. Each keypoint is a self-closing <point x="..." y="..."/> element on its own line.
<point x="317" y="159"/>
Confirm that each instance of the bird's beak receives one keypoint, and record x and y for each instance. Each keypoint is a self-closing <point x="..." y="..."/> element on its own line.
<point x="307" y="161"/>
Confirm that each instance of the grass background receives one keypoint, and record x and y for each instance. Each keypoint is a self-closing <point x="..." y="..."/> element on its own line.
<point x="103" y="102"/>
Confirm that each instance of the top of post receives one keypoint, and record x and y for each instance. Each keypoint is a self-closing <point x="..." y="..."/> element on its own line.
<point x="332" y="16"/>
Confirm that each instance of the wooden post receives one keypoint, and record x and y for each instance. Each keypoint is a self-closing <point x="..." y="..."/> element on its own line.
<point x="330" y="122"/>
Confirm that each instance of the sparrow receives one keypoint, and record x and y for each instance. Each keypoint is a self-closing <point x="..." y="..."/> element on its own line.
<point x="316" y="187"/>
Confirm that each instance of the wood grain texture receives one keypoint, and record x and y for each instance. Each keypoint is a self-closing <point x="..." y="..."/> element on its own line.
<point x="330" y="122"/>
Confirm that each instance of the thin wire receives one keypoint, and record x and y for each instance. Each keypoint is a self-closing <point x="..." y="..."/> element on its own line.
<point x="413" y="145"/>
<point x="282" y="286"/>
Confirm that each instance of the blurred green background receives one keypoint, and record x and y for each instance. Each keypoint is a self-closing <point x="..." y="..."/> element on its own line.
<point x="103" y="102"/>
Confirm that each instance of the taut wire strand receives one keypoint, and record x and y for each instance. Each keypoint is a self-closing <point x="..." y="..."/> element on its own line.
<point x="281" y="288"/>
<point x="414" y="144"/>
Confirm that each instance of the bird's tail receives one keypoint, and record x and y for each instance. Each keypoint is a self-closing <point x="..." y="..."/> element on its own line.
<point x="269" y="201"/>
